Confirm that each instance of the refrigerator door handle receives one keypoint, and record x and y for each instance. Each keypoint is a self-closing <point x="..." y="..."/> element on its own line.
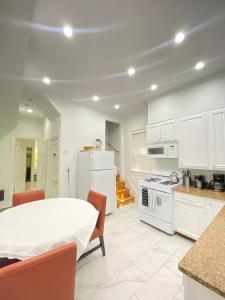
<point x="91" y="179"/>
<point x="153" y="205"/>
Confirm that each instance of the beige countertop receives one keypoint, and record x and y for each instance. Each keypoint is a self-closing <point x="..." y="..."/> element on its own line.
<point x="200" y="192"/>
<point x="205" y="262"/>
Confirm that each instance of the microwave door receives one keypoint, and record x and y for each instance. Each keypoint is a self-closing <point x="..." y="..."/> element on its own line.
<point x="157" y="151"/>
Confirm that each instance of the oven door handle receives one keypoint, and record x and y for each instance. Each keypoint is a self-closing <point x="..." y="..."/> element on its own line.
<point x="154" y="202"/>
<point x="150" y="199"/>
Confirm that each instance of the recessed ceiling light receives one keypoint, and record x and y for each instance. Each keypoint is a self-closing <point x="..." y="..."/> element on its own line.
<point x="154" y="87"/>
<point x="179" y="37"/>
<point x="95" y="98"/>
<point x="68" y="31"/>
<point x="200" y="65"/>
<point x="117" y="106"/>
<point x="29" y="110"/>
<point x="131" y="71"/>
<point x="46" y="80"/>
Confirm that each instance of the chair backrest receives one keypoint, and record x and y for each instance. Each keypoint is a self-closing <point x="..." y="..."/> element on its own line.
<point x="49" y="276"/>
<point x="21" y="198"/>
<point x="99" y="202"/>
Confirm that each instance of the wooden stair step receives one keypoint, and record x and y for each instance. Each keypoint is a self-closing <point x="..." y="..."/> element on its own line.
<point x="123" y="195"/>
<point x="127" y="200"/>
<point x="120" y="185"/>
<point x="124" y="190"/>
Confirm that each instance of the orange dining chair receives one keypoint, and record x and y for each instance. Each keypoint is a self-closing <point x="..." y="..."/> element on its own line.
<point x="22" y="198"/>
<point x="49" y="276"/>
<point x="99" y="202"/>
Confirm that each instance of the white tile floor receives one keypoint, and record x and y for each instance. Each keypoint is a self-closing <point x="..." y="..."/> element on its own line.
<point x="141" y="262"/>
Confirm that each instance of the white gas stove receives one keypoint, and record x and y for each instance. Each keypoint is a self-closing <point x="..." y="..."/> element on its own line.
<point x="156" y="204"/>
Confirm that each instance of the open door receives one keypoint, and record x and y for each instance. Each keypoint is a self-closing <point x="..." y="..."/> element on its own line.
<point x="20" y="168"/>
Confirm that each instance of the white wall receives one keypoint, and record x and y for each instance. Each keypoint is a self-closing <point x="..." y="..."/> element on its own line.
<point x="26" y="128"/>
<point x="80" y="126"/>
<point x="113" y="141"/>
<point x="134" y="122"/>
<point x="52" y="128"/>
<point x="202" y="96"/>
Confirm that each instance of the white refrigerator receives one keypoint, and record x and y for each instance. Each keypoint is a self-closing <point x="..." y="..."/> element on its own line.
<point x="96" y="172"/>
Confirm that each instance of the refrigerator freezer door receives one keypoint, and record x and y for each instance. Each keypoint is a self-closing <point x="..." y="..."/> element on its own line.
<point x="104" y="182"/>
<point x="102" y="160"/>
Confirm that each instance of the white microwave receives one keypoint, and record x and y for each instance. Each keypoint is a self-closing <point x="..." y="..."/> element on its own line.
<point x="165" y="150"/>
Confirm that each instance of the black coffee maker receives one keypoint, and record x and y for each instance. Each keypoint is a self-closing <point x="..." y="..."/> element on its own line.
<point x="218" y="183"/>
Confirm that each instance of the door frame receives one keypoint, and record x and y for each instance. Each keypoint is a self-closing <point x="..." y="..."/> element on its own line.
<point x="13" y="158"/>
<point x="121" y="146"/>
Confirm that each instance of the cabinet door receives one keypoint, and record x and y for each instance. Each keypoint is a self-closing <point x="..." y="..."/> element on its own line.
<point x="192" y="139"/>
<point x="190" y="218"/>
<point x="217" y="139"/>
<point x="168" y="131"/>
<point x="212" y="209"/>
<point x="153" y="133"/>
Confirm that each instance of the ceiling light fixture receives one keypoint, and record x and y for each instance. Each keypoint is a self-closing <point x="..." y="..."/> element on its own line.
<point x="68" y="31"/>
<point x="154" y="87"/>
<point x="179" y="37"/>
<point x="117" y="106"/>
<point x="95" y="98"/>
<point x="46" y="80"/>
<point x="29" y="110"/>
<point x="200" y="65"/>
<point x="131" y="71"/>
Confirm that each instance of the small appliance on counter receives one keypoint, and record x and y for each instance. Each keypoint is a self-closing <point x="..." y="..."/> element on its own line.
<point x="199" y="181"/>
<point x="218" y="183"/>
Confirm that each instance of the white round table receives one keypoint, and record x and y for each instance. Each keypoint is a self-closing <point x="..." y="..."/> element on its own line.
<point x="36" y="227"/>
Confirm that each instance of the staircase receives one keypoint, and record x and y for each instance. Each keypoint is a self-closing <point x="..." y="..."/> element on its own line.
<point x="122" y="193"/>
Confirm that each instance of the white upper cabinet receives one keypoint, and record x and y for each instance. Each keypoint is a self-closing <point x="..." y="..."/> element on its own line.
<point x="153" y="133"/>
<point x="168" y="131"/>
<point x="162" y="132"/>
<point x="193" y="146"/>
<point x="217" y="139"/>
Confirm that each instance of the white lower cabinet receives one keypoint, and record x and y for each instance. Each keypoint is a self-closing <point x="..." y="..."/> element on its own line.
<point x="193" y="214"/>
<point x="193" y="290"/>
<point x="212" y="209"/>
<point x="190" y="218"/>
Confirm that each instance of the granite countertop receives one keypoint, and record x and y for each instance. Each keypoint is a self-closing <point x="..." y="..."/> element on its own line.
<point x="200" y="192"/>
<point x="205" y="261"/>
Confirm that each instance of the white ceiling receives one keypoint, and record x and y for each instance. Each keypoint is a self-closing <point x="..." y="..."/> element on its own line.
<point x="135" y="33"/>
<point x="13" y="52"/>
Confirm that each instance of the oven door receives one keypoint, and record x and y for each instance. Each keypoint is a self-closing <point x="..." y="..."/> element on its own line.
<point x="157" y="151"/>
<point x="162" y="206"/>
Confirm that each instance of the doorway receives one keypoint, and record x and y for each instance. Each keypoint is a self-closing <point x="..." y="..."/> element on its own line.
<point x="29" y="155"/>
<point x="51" y="167"/>
<point x="26" y="165"/>
<point x="112" y="141"/>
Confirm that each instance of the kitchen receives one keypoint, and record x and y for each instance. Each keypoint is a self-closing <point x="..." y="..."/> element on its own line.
<point x="192" y="144"/>
<point x="141" y="84"/>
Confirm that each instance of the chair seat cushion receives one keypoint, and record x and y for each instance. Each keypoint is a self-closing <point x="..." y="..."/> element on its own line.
<point x="95" y="234"/>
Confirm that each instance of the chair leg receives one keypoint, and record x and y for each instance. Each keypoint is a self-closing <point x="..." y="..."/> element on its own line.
<point x="102" y="244"/>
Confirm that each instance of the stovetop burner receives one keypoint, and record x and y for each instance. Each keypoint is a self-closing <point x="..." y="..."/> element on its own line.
<point x="153" y="179"/>
<point x="167" y="182"/>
